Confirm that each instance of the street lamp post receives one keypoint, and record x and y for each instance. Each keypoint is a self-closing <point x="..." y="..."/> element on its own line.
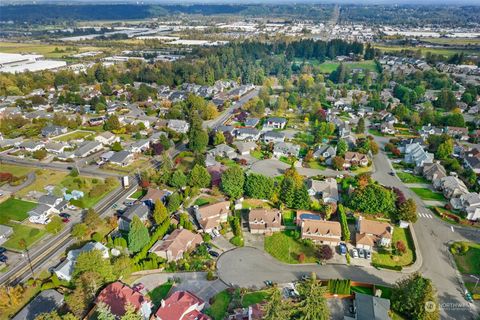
<point x="23" y="244"/>
<point x="476" y="283"/>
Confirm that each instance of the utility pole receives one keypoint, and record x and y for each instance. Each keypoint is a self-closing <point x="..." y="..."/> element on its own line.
<point x="476" y="283"/>
<point x="23" y="245"/>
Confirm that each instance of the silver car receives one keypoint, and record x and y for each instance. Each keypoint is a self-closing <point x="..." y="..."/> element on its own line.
<point x="354" y="253"/>
<point x="368" y="254"/>
<point x="361" y="253"/>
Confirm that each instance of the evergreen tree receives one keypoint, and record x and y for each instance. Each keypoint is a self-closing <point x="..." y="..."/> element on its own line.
<point x="287" y="195"/>
<point x="199" y="177"/>
<point x="233" y="180"/>
<point x="160" y="212"/>
<point x="138" y="236"/>
<point x="178" y="179"/>
<point x="301" y="198"/>
<point x="342" y="147"/>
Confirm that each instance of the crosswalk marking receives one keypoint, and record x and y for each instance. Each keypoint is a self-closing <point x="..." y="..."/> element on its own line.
<point x="425" y="215"/>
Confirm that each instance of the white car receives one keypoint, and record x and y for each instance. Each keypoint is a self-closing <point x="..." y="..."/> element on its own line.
<point x="354" y="253"/>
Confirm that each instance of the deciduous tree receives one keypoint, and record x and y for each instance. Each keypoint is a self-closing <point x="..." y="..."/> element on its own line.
<point x="138" y="236"/>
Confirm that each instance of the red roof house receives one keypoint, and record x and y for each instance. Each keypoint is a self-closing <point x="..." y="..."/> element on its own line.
<point x="182" y="305"/>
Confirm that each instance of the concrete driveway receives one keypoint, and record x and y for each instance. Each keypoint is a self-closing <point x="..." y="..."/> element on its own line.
<point x="195" y="282"/>
<point x="269" y="167"/>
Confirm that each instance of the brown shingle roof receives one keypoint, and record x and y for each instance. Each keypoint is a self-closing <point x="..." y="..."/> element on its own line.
<point x="265" y="218"/>
<point x="179" y="241"/>
<point x="321" y="227"/>
<point x="376" y="228"/>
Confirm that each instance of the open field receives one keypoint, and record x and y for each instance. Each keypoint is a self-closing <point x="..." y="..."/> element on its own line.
<point x="368" y="65"/>
<point x="447" y="52"/>
<point x="17" y="171"/>
<point x="385" y="258"/>
<point x="85" y="185"/>
<point x="15" y="209"/>
<point x="285" y="246"/>
<point x="453" y="41"/>
<point x="48" y="50"/>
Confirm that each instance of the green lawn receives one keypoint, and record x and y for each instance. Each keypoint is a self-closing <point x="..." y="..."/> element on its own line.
<point x="385" y="257"/>
<point x="254" y="297"/>
<point x="364" y="290"/>
<point x="257" y="154"/>
<point x="17" y="171"/>
<point x="31" y="235"/>
<point x="469" y="262"/>
<point x="218" y="309"/>
<point x="288" y="217"/>
<point x="43" y="178"/>
<point x="85" y="184"/>
<point x="74" y="135"/>
<point x="159" y="293"/>
<point x="137" y="194"/>
<point x="203" y="201"/>
<point x="374" y="132"/>
<point x="14" y="209"/>
<point x="386" y="291"/>
<point x="410" y="178"/>
<point x="286" y="246"/>
<point x="316" y="165"/>
<point x="427" y="194"/>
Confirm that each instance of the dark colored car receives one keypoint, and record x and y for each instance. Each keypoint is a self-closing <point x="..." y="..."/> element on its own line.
<point x="3" y="258"/>
<point x="213" y="253"/>
<point x="392" y="173"/>
<point x="343" y="249"/>
<point x="66" y="220"/>
<point x="2" y="250"/>
<point x="64" y="215"/>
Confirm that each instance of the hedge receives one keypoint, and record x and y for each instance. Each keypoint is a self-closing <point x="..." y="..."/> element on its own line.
<point x="339" y="286"/>
<point x="343" y="222"/>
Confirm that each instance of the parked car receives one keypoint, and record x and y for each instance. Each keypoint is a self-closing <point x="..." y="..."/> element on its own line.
<point x="213" y="253"/>
<point x="3" y="258"/>
<point x="138" y="287"/>
<point x="354" y="253"/>
<point x="66" y="220"/>
<point x="305" y="277"/>
<point x="368" y="254"/>
<point x="2" y="250"/>
<point x="392" y="173"/>
<point x="64" y="215"/>
<point x="343" y="249"/>
<point x="361" y="253"/>
<point x="268" y="283"/>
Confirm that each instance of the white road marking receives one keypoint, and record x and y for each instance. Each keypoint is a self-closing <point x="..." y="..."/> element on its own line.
<point x="453" y="230"/>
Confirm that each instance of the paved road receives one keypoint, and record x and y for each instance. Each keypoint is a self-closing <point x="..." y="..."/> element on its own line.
<point x="12" y="189"/>
<point x="274" y="167"/>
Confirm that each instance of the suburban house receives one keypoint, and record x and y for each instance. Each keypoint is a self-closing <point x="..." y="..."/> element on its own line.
<point x="47" y="206"/>
<point x="273" y="136"/>
<point x="428" y="130"/>
<point x="469" y="203"/>
<point x="249" y="134"/>
<point x="31" y="146"/>
<point x="45" y="302"/>
<point x="251" y="122"/>
<point x="457" y="132"/>
<point x="387" y="128"/>
<point x="414" y="153"/>
<point x="355" y="159"/>
<point x="181" y="305"/>
<point x="176" y="244"/>
<point x="117" y="295"/>
<point x="371" y="233"/>
<point x="434" y="172"/>
<point x="285" y="149"/>
<point x="65" y="269"/>
<point x="52" y="131"/>
<point x="326" y="189"/>
<point x="210" y="216"/>
<point x="5" y="232"/>
<point x="180" y="126"/>
<point x="245" y="147"/>
<point x="472" y="160"/>
<point x="224" y="151"/>
<point x="153" y="195"/>
<point x="325" y="152"/>
<point x="264" y="221"/>
<point x="452" y="187"/>
<point x="321" y="231"/>
<point x="107" y="138"/>
<point x="56" y="147"/>
<point x="369" y="307"/>
<point x="87" y="148"/>
<point x="275" y="123"/>
<point x="121" y="158"/>
<point x="139" y="146"/>
<point x="138" y="209"/>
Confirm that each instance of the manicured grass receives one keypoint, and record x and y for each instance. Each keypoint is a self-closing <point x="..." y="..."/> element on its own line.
<point x="137" y="194"/>
<point x="386" y="258"/>
<point x="410" y="178"/>
<point x="305" y="137"/>
<point x="364" y="290"/>
<point x="255" y="203"/>
<point x="74" y="135"/>
<point x="137" y="164"/>
<point x="285" y="160"/>
<point x="427" y="194"/>
<point x="386" y="291"/>
<point x="203" y="201"/>
<point x="254" y="297"/>
<point x="159" y="293"/>
<point x="286" y="246"/>
<point x="469" y="262"/>
<point x="17" y="171"/>
<point x="218" y="309"/>
<point x="29" y="234"/>
<point x="257" y="154"/>
<point x="43" y="178"/>
<point x="15" y="209"/>
<point x="85" y="184"/>
<point x="316" y="165"/>
<point x="328" y="67"/>
<point x="288" y="217"/>
<point x="374" y="132"/>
